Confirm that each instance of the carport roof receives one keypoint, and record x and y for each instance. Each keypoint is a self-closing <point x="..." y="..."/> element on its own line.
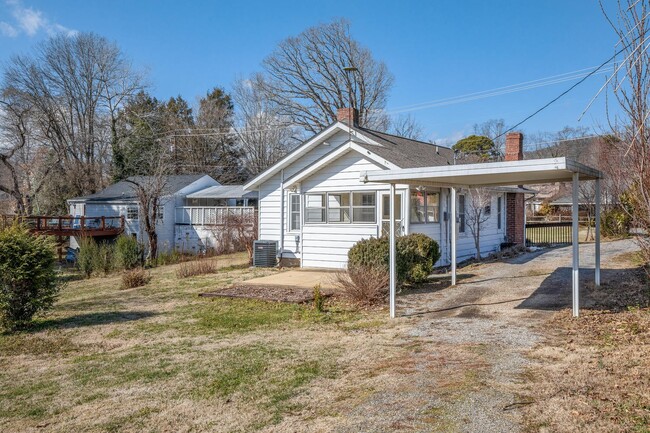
<point x="526" y="172"/>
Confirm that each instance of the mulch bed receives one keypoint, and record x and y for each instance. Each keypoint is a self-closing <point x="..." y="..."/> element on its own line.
<point x="294" y="295"/>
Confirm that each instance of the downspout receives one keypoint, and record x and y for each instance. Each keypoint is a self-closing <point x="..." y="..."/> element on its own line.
<point x="281" y="249"/>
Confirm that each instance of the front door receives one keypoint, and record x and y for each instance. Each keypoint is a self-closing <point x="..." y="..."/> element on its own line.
<point x="385" y="214"/>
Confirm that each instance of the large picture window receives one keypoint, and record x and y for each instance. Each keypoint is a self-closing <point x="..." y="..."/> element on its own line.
<point x="314" y="208"/>
<point x="425" y="207"/>
<point x="341" y="208"/>
<point x="294" y="212"/>
<point x="364" y="207"/>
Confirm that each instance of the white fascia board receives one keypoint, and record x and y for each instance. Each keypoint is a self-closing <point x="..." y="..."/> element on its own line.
<point x="303" y="149"/>
<point x="293" y="156"/>
<point x="488" y="174"/>
<point x="332" y="156"/>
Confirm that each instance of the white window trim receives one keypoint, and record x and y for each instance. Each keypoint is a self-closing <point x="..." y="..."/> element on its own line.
<point x="137" y="212"/>
<point x="290" y="228"/>
<point x="323" y="199"/>
<point x="462" y="222"/>
<point x="353" y="207"/>
<point x="426" y="208"/>
<point x="349" y="207"/>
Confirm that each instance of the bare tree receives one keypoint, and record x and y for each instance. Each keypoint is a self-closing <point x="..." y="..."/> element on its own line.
<point x="631" y="88"/>
<point x="150" y="193"/>
<point x="306" y="78"/>
<point x="406" y="126"/>
<point x="477" y="213"/>
<point x="493" y="129"/>
<point x="74" y="87"/>
<point x="263" y="134"/>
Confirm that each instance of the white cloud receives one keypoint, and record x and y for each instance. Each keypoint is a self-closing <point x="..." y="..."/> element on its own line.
<point x="30" y="21"/>
<point x="8" y="30"/>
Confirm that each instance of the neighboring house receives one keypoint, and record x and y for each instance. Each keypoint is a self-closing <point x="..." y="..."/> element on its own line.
<point x="315" y="205"/>
<point x="200" y="221"/>
<point x="177" y="223"/>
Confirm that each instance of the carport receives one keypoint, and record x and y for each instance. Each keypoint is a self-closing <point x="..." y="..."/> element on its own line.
<point x="494" y="174"/>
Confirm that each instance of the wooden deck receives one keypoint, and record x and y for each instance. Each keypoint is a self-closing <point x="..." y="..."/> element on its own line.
<point x="64" y="226"/>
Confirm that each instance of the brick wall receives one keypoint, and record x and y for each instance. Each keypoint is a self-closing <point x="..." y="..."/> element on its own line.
<point x="515" y="218"/>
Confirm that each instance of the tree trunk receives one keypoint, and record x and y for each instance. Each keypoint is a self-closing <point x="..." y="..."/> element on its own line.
<point x="153" y="244"/>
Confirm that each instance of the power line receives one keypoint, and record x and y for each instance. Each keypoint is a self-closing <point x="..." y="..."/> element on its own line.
<point x="552" y="101"/>
<point x="527" y="85"/>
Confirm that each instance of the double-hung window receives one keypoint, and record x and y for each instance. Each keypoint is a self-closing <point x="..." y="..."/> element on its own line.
<point x="314" y="208"/>
<point x="499" y="211"/>
<point x="338" y="207"/>
<point x="294" y="212"/>
<point x="425" y="207"/>
<point x="461" y="214"/>
<point x="364" y="207"/>
<point x="418" y="206"/>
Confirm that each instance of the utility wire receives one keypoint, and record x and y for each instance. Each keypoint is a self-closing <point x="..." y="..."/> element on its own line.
<point x="552" y="101"/>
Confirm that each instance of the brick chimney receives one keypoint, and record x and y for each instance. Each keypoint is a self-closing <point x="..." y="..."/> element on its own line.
<point x="514" y="146"/>
<point x="348" y="116"/>
<point x="515" y="206"/>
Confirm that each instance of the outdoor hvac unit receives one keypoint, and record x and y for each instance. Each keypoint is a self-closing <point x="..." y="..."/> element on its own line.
<point x="265" y="253"/>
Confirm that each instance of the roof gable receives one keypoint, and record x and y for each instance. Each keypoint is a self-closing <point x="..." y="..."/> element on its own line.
<point x="385" y="148"/>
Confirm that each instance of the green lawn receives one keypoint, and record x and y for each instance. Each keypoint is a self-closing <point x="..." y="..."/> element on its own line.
<point x="160" y="358"/>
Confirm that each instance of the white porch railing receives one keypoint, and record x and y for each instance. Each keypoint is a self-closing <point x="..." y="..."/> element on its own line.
<point x="210" y="215"/>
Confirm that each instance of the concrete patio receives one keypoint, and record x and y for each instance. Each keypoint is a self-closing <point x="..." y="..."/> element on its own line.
<point x="297" y="278"/>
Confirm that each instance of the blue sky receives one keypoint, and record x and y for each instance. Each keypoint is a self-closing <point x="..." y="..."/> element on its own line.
<point x="435" y="49"/>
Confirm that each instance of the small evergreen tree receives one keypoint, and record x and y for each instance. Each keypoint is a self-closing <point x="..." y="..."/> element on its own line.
<point x="28" y="283"/>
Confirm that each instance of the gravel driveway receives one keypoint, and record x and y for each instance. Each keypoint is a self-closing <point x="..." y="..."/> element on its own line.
<point x="465" y="346"/>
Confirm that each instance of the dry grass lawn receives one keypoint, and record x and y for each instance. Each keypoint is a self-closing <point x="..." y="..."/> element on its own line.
<point x="593" y="373"/>
<point x="159" y="358"/>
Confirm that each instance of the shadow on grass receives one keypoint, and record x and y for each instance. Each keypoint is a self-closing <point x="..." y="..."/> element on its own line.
<point x="90" y="319"/>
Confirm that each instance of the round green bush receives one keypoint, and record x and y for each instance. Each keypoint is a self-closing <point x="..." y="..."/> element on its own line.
<point x="28" y="283"/>
<point x="416" y="255"/>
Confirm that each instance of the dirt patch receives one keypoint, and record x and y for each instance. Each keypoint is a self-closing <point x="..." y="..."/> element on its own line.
<point x="269" y="293"/>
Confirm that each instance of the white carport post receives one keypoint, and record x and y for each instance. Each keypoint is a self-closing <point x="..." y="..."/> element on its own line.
<point x="576" y="247"/>
<point x="597" y="235"/>
<point x="393" y="258"/>
<point x="452" y="226"/>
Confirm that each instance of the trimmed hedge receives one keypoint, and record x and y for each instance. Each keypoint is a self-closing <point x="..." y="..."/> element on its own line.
<point x="416" y="255"/>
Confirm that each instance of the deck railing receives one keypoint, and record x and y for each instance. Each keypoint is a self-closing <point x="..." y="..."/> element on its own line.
<point x="62" y="224"/>
<point x="211" y="215"/>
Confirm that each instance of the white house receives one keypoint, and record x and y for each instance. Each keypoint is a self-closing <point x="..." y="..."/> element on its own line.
<point x="315" y="204"/>
<point x="181" y="222"/>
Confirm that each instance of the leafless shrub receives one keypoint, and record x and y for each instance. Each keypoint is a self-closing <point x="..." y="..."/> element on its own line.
<point x="363" y="285"/>
<point x="137" y="277"/>
<point x="197" y="267"/>
<point x="237" y="233"/>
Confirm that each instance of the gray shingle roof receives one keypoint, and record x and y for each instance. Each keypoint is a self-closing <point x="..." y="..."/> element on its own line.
<point x="405" y="152"/>
<point x="124" y="190"/>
